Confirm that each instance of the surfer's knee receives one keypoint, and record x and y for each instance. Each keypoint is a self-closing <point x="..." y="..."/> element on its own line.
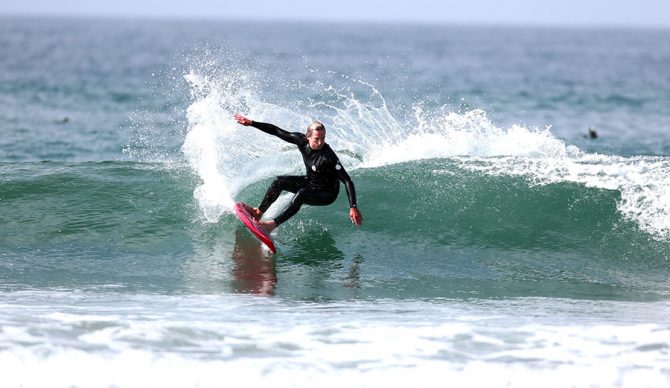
<point x="299" y="198"/>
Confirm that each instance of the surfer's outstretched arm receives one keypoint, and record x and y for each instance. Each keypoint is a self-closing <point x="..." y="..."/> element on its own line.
<point x="291" y="137"/>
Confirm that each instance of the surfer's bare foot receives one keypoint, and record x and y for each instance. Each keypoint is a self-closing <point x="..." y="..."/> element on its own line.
<point x="269" y="226"/>
<point x="254" y="211"/>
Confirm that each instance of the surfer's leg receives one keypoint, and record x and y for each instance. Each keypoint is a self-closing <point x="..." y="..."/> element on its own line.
<point x="305" y="197"/>
<point x="281" y="183"/>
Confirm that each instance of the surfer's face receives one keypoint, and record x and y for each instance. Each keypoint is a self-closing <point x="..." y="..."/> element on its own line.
<point x="317" y="139"/>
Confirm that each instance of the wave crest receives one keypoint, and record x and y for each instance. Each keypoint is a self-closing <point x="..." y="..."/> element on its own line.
<point x="367" y="134"/>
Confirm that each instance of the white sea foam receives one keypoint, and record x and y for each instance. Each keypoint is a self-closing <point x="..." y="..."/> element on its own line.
<point x="227" y="156"/>
<point x="173" y="341"/>
<point x="469" y="134"/>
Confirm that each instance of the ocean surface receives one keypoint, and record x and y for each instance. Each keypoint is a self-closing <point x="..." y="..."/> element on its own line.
<point x="501" y="245"/>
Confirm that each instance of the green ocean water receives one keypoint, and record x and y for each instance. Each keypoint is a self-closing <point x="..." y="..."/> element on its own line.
<point x="136" y="225"/>
<point x="500" y="245"/>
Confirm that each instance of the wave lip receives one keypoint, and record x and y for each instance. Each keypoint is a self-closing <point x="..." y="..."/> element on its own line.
<point x="465" y="134"/>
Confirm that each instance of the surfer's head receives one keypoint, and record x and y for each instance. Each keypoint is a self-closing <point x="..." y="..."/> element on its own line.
<point x="316" y="135"/>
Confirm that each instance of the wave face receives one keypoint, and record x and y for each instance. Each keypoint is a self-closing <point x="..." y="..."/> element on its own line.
<point x="434" y="228"/>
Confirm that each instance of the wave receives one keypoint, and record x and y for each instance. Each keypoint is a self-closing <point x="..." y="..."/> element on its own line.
<point x="367" y="135"/>
<point x="452" y="201"/>
<point x="448" y="197"/>
<point x="434" y="227"/>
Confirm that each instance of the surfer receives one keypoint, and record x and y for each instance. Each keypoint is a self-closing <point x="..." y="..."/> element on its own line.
<point x="593" y="134"/>
<point x="319" y="187"/>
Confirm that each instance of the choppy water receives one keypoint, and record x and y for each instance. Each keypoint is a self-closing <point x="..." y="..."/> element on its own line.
<point x="500" y="245"/>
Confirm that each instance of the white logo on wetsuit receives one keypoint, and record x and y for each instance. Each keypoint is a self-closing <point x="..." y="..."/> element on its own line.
<point x="338" y="167"/>
<point x="313" y="167"/>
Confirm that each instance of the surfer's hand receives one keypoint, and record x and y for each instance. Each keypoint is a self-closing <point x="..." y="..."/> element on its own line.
<point x="242" y="120"/>
<point x="355" y="216"/>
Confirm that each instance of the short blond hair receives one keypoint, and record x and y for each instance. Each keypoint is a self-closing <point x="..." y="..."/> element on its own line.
<point x="315" y="126"/>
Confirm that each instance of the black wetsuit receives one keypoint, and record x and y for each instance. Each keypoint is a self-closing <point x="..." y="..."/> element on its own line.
<point x="319" y="187"/>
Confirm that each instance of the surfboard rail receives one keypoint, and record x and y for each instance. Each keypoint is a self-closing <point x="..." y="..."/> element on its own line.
<point x="250" y="222"/>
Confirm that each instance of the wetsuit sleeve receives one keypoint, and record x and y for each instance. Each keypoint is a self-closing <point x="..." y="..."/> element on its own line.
<point x="348" y="184"/>
<point x="291" y="137"/>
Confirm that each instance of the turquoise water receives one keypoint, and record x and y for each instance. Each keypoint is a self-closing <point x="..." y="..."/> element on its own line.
<point x="500" y="245"/>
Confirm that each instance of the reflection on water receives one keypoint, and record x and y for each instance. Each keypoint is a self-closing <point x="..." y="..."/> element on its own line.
<point x="353" y="278"/>
<point x="253" y="267"/>
<point x="308" y="265"/>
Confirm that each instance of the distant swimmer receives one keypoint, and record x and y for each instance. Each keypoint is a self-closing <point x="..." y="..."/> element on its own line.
<point x="592" y="134"/>
<point x="321" y="184"/>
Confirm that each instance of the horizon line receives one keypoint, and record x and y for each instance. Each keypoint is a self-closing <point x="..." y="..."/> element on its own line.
<point x="337" y="21"/>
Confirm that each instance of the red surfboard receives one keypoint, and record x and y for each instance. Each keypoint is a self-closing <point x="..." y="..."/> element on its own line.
<point x="251" y="223"/>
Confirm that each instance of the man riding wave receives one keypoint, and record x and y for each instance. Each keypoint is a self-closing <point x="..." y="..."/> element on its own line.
<point x="321" y="184"/>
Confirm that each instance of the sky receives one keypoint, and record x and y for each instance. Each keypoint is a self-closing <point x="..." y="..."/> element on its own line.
<point x="596" y="13"/>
